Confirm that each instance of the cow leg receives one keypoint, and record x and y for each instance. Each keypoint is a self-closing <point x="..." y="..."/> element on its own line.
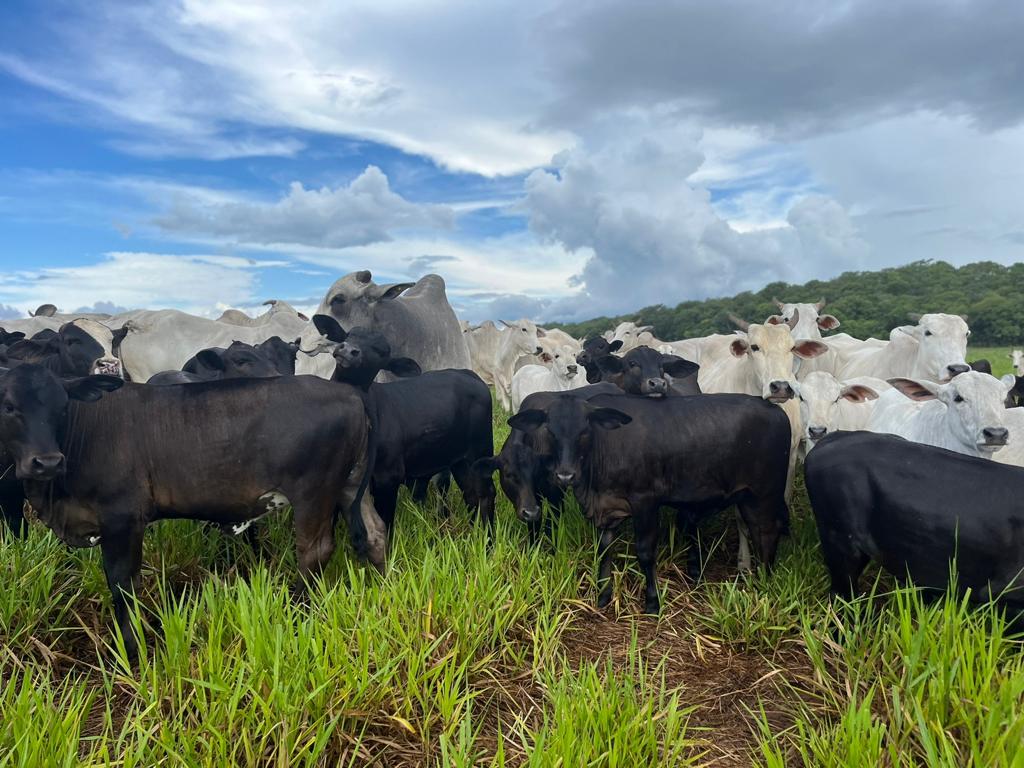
<point x="844" y="566"/>
<point x="687" y="525"/>
<point x="385" y="499"/>
<point x="743" y="563"/>
<point x="763" y="522"/>
<point x="477" y="491"/>
<point x="645" y="528"/>
<point x="121" y="545"/>
<point x="604" y="569"/>
<point x="376" y="529"/>
<point x="314" y="536"/>
<point x="12" y="502"/>
<point x="418" y="488"/>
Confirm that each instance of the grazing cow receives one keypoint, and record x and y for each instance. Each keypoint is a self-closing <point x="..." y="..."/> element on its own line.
<point x="559" y="376"/>
<point x="525" y="461"/>
<point x="415" y="317"/>
<point x="966" y="415"/>
<point x="225" y="451"/>
<point x="626" y="456"/>
<point x="85" y="344"/>
<point x="982" y="366"/>
<point x="915" y="509"/>
<point x="933" y="350"/>
<point x="164" y="340"/>
<point x="593" y="355"/>
<point x="430" y="423"/>
<point x="827" y="405"/>
<point x="647" y="372"/>
<point x="1017" y="360"/>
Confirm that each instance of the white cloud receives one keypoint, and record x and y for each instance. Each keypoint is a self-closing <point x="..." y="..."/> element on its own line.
<point x="366" y="211"/>
<point x="138" y="280"/>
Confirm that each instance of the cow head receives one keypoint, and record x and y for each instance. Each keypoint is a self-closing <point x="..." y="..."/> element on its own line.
<point x="941" y="346"/>
<point x="769" y="350"/>
<point x="280" y="353"/>
<point x="33" y="416"/>
<point x="570" y="423"/>
<point x="77" y="349"/>
<point x="1015" y="390"/>
<point x="593" y="350"/>
<point x="352" y="300"/>
<point x="563" y="362"/>
<point x="810" y="321"/>
<point x="975" y="407"/>
<point x="820" y="395"/>
<point x="238" y="361"/>
<point x="360" y="354"/>
<point x="645" y="371"/>
<point x="517" y="465"/>
<point x="1017" y="360"/>
<point x="629" y="334"/>
<point x="523" y="336"/>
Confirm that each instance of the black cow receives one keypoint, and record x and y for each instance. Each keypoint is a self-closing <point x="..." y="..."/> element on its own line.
<point x="98" y="469"/>
<point x="982" y="366"/>
<point x="648" y="372"/>
<point x="426" y="424"/>
<point x="237" y="361"/>
<point x="280" y="353"/>
<point x="593" y="353"/>
<point x="6" y="339"/>
<point x="627" y="456"/>
<point x="1015" y="395"/>
<point x="70" y="351"/>
<point x="914" y="509"/>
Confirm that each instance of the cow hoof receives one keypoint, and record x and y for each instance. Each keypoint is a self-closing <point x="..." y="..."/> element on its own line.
<point x="652" y="607"/>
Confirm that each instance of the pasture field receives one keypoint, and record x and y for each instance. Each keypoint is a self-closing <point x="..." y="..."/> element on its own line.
<point x="466" y="654"/>
<point x="998" y="356"/>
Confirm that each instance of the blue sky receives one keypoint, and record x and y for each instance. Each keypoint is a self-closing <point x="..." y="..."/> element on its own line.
<point x="550" y="159"/>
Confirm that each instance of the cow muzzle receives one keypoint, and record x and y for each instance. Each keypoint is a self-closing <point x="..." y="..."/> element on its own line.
<point x="656" y="387"/>
<point x="955" y="370"/>
<point x="780" y="392"/>
<point x="816" y="433"/>
<point x="108" y="366"/>
<point x="529" y="514"/>
<point x="565" y="478"/>
<point x="993" y="438"/>
<point x="42" y="467"/>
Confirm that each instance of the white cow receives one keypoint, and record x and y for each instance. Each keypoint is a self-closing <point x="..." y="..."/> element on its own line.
<point x="1017" y="358"/>
<point x="518" y="339"/>
<point x="966" y="415"/>
<point x="482" y="341"/>
<point x="560" y="338"/>
<point x="933" y="350"/>
<point x="107" y="363"/>
<point x="164" y="339"/>
<point x="237" y="317"/>
<point x="1013" y="453"/>
<point x="828" y="405"/>
<point x="560" y="375"/>
<point x="810" y="324"/>
<point x="629" y="334"/>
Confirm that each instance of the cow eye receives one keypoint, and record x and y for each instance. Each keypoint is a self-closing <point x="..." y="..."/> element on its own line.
<point x="927" y="333"/>
<point x="968" y="333"/>
<point x="958" y="399"/>
<point x="755" y="348"/>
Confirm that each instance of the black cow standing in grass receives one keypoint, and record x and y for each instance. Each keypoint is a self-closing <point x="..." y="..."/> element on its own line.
<point x="914" y="509"/>
<point x="98" y="468"/>
<point x="626" y="456"/>
<point x="427" y="423"/>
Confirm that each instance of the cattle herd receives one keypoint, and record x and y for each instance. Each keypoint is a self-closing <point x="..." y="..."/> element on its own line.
<point x="912" y="456"/>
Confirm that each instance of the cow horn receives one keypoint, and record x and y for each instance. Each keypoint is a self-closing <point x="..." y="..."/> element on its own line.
<point x="777" y="303"/>
<point x="270" y="303"/>
<point x="44" y="310"/>
<point x="820" y="305"/>
<point x="794" y="319"/>
<point x="739" y="322"/>
<point x="914" y="317"/>
<point x="364" y="276"/>
<point x="505" y="323"/>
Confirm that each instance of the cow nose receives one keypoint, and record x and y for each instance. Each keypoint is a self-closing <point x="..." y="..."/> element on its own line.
<point x="816" y="433"/>
<point x="995" y="435"/>
<point x="47" y="465"/>
<point x="529" y="515"/>
<point x="571" y="368"/>
<point x="538" y="350"/>
<point x="957" y="368"/>
<point x="656" y="385"/>
<point x="564" y="478"/>
<point x="780" y="390"/>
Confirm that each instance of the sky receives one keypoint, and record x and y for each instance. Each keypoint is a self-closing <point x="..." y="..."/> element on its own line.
<point x="555" y="160"/>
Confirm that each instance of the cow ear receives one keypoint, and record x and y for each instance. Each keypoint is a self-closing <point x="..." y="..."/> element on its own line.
<point x="739" y="347"/>
<point x="545" y="357"/>
<point x="610" y="363"/>
<point x="615" y="346"/>
<point x="210" y="359"/>
<point x="915" y="390"/>
<point x="329" y="327"/>
<point x="88" y="389"/>
<point x="1009" y="381"/>
<point x="528" y="421"/>
<point x="486" y="467"/>
<point x="404" y="367"/>
<point x="828" y="322"/>
<point x="608" y="418"/>
<point x="858" y="393"/>
<point x="775" y="320"/>
<point x="809" y="348"/>
<point x="396" y="290"/>
<point x="541" y="333"/>
<point x="678" y="368"/>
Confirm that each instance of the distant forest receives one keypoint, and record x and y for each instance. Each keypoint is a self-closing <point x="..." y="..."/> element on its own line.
<point x="990" y="295"/>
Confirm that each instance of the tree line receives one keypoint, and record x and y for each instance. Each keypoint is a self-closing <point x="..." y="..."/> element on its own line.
<point x="866" y="303"/>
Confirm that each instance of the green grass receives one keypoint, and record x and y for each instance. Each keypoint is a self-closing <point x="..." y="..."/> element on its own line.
<point x="998" y="356"/>
<point x="470" y="654"/>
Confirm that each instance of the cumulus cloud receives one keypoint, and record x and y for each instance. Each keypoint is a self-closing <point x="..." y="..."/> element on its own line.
<point x="132" y="279"/>
<point x="365" y="211"/>
<point x="655" y="238"/>
<point x="103" y="308"/>
<point x="7" y="312"/>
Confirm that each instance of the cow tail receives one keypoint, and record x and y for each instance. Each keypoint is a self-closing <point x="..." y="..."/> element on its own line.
<point x="356" y="526"/>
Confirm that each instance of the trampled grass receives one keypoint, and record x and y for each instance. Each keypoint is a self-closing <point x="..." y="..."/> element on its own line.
<point x="470" y="653"/>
